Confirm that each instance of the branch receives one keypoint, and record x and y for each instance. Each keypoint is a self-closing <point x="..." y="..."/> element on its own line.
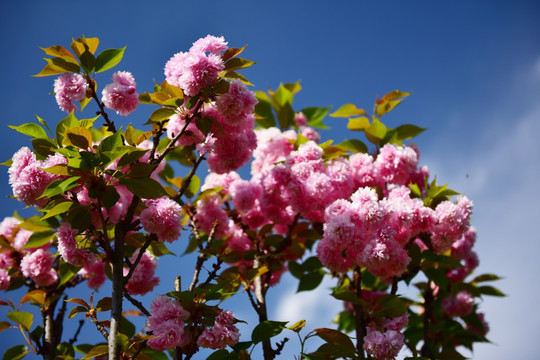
<point x="187" y="180"/>
<point x="74" y="338"/>
<point x="109" y="124"/>
<point x="139" y="257"/>
<point x="171" y="145"/>
<point x="359" y="314"/>
<point x="137" y="304"/>
<point x="202" y="257"/>
<point x="101" y="328"/>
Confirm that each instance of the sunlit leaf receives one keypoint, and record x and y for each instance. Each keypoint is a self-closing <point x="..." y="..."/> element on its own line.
<point x="24" y="319"/>
<point x="348" y="110"/>
<point x="30" y="129"/>
<point x="375" y="132"/>
<point x="358" y="123"/>
<point x="237" y="63"/>
<point x="108" y="59"/>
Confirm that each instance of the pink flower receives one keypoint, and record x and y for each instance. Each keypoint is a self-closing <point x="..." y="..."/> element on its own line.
<point x="211" y="44"/>
<point x="39" y="267"/>
<point x="191" y="136"/>
<point x="396" y="164"/>
<point x="210" y="214"/>
<point x="28" y="180"/>
<point x="95" y="273"/>
<point x="452" y="222"/>
<point x="121" y="95"/>
<point x="206" y="146"/>
<point x="222" y="334"/>
<point x="142" y="280"/>
<point x="461" y="304"/>
<point x="9" y="228"/>
<point x="244" y="194"/>
<point x="236" y="104"/>
<point x="67" y="247"/>
<point x="69" y="88"/>
<point x="300" y="119"/>
<point x="167" y="323"/>
<point x="193" y="71"/>
<point x="383" y="346"/>
<point x="162" y="217"/>
<point x="5" y="279"/>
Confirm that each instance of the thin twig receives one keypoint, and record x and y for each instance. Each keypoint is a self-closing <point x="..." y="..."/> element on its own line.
<point x="74" y="338"/>
<point x="187" y="180"/>
<point x="202" y="257"/>
<point x="139" y="257"/>
<point x="173" y="141"/>
<point x="136" y="303"/>
<point x="109" y="124"/>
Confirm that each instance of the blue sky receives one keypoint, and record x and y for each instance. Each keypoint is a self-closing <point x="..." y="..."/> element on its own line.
<point x="473" y="68"/>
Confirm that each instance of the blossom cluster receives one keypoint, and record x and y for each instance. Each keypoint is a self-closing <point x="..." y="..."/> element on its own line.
<point x="169" y="327"/>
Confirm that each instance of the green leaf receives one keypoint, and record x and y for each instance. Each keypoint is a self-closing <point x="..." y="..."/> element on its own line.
<point x="451" y="354"/>
<point x="358" y="123"/>
<point x="263" y="111"/>
<point x="58" y="65"/>
<point x="145" y="188"/>
<point x="408" y="131"/>
<point x="131" y="156"/>
<point x="218" y="355"/>
<point x="485" y="277"/>
<point x="266" y="330"/>
<point x="88" y="61"/>
<point x="285" y="116"/>
<point x="31" y="129"/>
<point x="43" y="147"/>
<point x="110" y="143"/>
<point x="161" y="114"/>
<point x="237" y="63"/>
<point x="354" y="145"/>
<point x="108" y="59"/>
<point x="490" y="290"/>
<point x="315" y="116"/>
<point x="15" y="352"/>
<point x="236" y="76"/>
<point x="38" y="239"/>
<point x="60" y="186"/>
<point x="193" y="186"/>
<point x="24" y="319"/>
<point x="157" y="248"/>
<point x="348" y="110"/>
<point x="57" y="209"/>
<point x="97" y="351"/>
<point x="139" y="170"/>
<point x="375" y="132"/>
<point x="335" y="337"/>
<point x="392" y="307"/>
<point x="67" y="272"/>
<point x="65" y="123"/>
<point x="335" y="351"/>
<point x="281" y="97"/>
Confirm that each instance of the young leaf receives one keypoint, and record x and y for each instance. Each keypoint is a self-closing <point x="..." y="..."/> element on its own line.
<point x="146" y="188"/>
<point x="358" y="123"/>
<point x="348" y="110"/>
<point x="108" y="59"/>
<point x="97" y="351"/>
<point x="375" y="132"/>
<point x="31" y="129"/>
<point x="24" y="319"/>
<point x="237" y="63"/>
<point x="16" y="352"/>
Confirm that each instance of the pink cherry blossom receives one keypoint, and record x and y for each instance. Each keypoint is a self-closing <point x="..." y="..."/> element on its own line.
<point x="39" y="267"/>
<point x="383" y="345"/>
<point x="67" y="247"/>
<point x="211" y="44"/>
<point x="121" y="95"/>
<point x="167" y="324"/>
<point x="162" y="217"/>
<point x="5" y="279"/>
<point x="222" y="334"/>
<point x="461" y="304"/>
<point x="69" y="88"/>
<point x="143" y="279"/>
<point x="94" y="273"/>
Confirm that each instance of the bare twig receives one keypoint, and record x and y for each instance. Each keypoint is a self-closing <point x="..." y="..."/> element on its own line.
<point x="139" y="257"/>
<point x="137" y="303"/>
